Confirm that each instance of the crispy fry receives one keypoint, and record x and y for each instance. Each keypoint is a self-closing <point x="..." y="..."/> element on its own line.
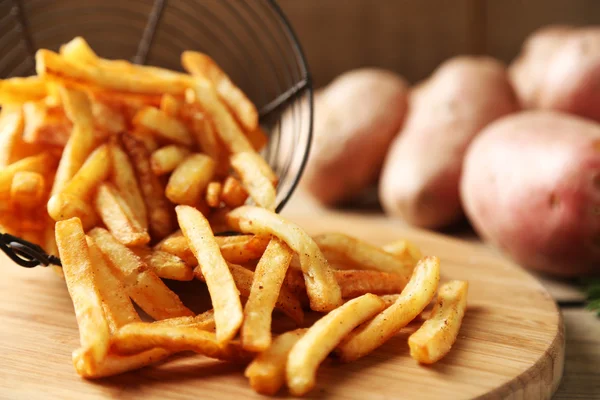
<point x="21" y="90"/>
<point x="413" y="299"/>
<point x="124" y="179"/>
<point x="64" y="206"/>
<point x="188" y="181"/>
<point x="257" y="184"/>
<point x="171" y="105"/>
<point x="46" y="124"/>
<point x="346" y="252"/>
<point x="266" y="285"/>
<point x="166" y="159"/>
<point x="51" y="65"/>
<point x="40" y="164"/>
<point x="355" y="283"/>
<point x="204" y="321"/>
<point x="258" y="138"/>
<point x="28" y="189"/>
<point x="115" y="364"/>
<point x="166" y="265"/>
<point x="160" y="217"/>
<point x="227" y="128"/>
<point x="200" y="64"/>
<point x="323" y="291"/>
<point x="266" y="372"/>
<point x="11" y="129"/>
<point x="94" y="170"/>
<point x="233" y="194"/>
<point x="78" y="50"/>
<point x="107" y="120"/>
<point x="82" y="284"/>
<point x="404" y="250"/>
<point x="213" y="194"/>
<point x="205" y="135"/>
<point x="223" y="292"/>
<point x="118" y="217"/>
<point x="167" y="127"/>
<point x="142" y="284"/>
<point x="141" y="336"/>
<point x="81" y="142"/>
<point x="433" y="340"/>
<point x="117" y="306"/>
<point x="322" y="337"/>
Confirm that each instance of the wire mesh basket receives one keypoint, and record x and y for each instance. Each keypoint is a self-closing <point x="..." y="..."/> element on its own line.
<point x="251" y="40"/>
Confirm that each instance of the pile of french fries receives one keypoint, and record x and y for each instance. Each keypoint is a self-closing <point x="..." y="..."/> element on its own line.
<point x="127" y="172"/>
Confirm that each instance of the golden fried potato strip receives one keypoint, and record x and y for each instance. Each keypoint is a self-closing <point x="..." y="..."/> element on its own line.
<point x="413" y="299"/>
<point x="433" y="340"/>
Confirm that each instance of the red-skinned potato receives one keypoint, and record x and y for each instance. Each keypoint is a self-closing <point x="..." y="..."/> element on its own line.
<point x="356" y="117"/>
<point x="572" y="80"/>
<point x="421" y="174"/>
<point x="528" y="70"/>
<point x="531" y="186"/>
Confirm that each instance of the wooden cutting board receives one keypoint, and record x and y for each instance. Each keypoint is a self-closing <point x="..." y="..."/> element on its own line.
<point x="511" y="344"/>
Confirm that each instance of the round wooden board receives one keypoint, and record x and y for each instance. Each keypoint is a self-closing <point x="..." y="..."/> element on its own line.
<point x="511" y="345"/>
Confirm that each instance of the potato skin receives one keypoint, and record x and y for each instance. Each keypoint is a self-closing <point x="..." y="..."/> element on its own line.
<point x="531" y="186"/>
<point x="572" y="80"/>
<point x="356" y="117"/>
<point x="421" y="174"/>
<point x="528" y="70"/>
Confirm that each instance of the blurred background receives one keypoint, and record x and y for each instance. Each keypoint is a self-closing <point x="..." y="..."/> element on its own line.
<point x="413" y="37"/>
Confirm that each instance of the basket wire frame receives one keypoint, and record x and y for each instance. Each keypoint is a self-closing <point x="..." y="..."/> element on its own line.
<point x="260" y="51"/>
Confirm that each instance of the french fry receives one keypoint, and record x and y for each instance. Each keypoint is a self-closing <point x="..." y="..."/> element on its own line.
<point x="204" y="321"/>
<point x="306" y="355"/>
<point x="81" y="142"/>
<point x="108" y="120"/>
<point x="171" y="105"/>
<point x="124" y="179"/>
<point x="28" y="189"/>
<point x="413" y="299"/>
<point x="166" y="159"/>
<point x="221" y="286"/>
<point x="39" y="164"/>
<point x="160" y="217"/>
<point x="53" y="66"/>
<point x="94" y="170"/>
<point x="257" y="184"/>
<point x="78" y="50"/>
<point x="64" y="206"/>
<point x="433" y="340"/>
<point x="82" y="284"/>
<point x="21" y="90"/>
<point x="227" y="128"/>
<point x="205" y="135"/>
<point x="266" y="372"/>
<point x="117" y="306"/>
<point x="189" y="180"/>
<point x="233" y="194"/>
<point x="286" y="301"/>
<point x="258" y="138"/>
<point x="200" y="64"/>
<point x="11" y="129"/>
<point x="355" y="283"/>
<point x="213" y="194"/>
<point x="404" y="250"/>
<point x="118" y="217"/>
<point x="165" y="265"/>
<point x="167" y="127"/>
<point x="266" y="285"/>
<point x="115" y="364"/>
<point x="346" y="252"/>
<point x="323" y="290"/>
<point x="142" y="284"/>
<point x="146" y="136"/>
<point x="141" y="336"/>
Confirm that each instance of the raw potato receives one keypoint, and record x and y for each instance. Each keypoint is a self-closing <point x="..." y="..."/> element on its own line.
<point x="422" y="170"/>
<point x="528" y="70"/>
<point x="356" y="118"/>
<point x="531" y="186"/>
<point x="572" y="79"/>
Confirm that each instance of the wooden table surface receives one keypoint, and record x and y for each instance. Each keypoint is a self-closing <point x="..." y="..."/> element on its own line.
<point x="581" y="379"/>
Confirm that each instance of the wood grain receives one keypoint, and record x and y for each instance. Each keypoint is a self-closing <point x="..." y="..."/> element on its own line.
<point x="511" y="344"/>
